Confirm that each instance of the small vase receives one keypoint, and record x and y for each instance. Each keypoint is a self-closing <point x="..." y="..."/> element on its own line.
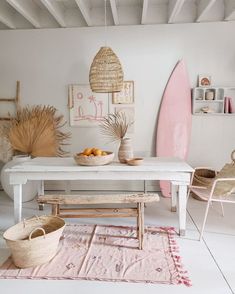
<point x="125" y="150"/>
<point x="29" y="190"/>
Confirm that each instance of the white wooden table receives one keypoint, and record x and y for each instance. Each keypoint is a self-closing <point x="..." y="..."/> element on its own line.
<point x="54" y="168"/>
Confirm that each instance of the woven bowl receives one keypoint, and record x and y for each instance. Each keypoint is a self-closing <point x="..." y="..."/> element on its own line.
<point x="94" y="160"/>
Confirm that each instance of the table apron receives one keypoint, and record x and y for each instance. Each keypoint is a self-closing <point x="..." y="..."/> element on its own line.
<point x="23" y="177"/>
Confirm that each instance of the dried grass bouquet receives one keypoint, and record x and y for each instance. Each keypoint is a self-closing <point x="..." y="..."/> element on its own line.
<point x="36" y="131"/>
<point x="115" y="126"/>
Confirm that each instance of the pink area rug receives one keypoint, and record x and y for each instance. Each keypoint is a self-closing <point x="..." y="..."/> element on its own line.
<point x="109" y="253"/>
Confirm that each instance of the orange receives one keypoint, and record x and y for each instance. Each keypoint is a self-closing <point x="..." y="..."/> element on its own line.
<point x="97" y="152"/>
<point x="87" y="151"/>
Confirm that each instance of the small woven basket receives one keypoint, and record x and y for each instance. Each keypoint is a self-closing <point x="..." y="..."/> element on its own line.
<point x="34" y="241"/>
<point x="106" y="74"/>
<point x="203" y="177"/>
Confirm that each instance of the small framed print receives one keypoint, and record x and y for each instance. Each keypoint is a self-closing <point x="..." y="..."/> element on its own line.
<point x="204" y="80"/>
<point x="126" y="96"/>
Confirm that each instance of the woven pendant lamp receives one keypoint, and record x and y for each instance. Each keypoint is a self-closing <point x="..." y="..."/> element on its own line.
<point x="106" y="74"/>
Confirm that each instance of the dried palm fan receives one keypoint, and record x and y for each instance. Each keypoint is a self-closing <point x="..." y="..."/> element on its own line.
<point x="115" y="126"/>
<point x="36" y="131"/>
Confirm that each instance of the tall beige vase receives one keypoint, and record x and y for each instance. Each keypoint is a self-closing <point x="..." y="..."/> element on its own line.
<point x="125" y="150"/>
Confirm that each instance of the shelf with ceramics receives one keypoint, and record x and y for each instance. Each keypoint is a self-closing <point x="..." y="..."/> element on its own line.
<point x="213" y="101"/>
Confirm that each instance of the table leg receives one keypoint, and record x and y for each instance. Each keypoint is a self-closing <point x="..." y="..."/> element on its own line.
<point x="173" y="198"/>
<point x="41" y="192"/>
<point x="182" y="198"/>
<point x="17" y="202"/>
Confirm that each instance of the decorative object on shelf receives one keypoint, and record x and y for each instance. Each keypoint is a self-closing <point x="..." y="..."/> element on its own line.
<point x="29" y="190"/>
<point x="106" y="74"/>
<point x="210" y="95"/>
<point x="204" y="80"/>
<point x="35" y="241"/>
<point x="94" y="160"/>
<point x="36" y="131"/>
<point x="207" y="109"/>
<point x="86" y="108"/>
<point x="231" y="108"/>
<point x="115" y="127"/>
<point x="126" y="96"/>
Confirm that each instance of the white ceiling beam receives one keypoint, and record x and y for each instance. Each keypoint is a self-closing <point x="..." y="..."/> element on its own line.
<point x="6" y="16"/>
<point x="56" y="11"/>
<point x="174" y="9"/>
<point x="29" y="10"/>
<point x="144" y="11"/>
<point x="203" y="7"/>
<point x="229" y="10"/>
<point x="85" y="11"/>
<point x="114" y="12"/>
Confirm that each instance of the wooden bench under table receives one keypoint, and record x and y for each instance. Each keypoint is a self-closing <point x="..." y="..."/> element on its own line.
<point x="138" y="199"/>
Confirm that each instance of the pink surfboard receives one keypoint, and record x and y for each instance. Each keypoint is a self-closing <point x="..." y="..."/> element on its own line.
<point x="175" y="119"/>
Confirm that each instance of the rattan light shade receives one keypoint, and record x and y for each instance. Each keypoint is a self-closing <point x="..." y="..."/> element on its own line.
<point x="106" y="74"/>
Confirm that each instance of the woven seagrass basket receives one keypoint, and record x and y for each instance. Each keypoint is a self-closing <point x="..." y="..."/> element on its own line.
<point x="34" y="241"/>
<point x="203" y="177"/>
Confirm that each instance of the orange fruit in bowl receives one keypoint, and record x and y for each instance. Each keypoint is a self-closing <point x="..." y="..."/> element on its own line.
<point x="87" y="151"/>
<point x="97" y="152"/>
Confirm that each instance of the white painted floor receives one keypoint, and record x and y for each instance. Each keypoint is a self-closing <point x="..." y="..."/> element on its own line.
<point x="211" y="263"/>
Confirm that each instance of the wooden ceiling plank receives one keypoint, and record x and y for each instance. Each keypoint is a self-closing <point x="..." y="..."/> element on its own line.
<point x="174" y="10"/>
<point x="144" y="12"/>
<point x="229" y="10"/>
<point x="6" y="16"/>
<point x="27" y="10"/>
<point x="85" y="11"/>
<point x="203" y="7"/>
<point x="56" y="11"/>
<point x="114" y="12"/>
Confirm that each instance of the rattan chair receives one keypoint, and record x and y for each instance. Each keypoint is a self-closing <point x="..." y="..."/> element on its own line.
<point x="221" y="187"/>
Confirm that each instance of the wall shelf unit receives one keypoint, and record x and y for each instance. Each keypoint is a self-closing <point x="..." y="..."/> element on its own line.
<point x="212" y="100"/>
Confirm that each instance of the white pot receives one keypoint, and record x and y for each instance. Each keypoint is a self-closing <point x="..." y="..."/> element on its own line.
<point x="29" y="190"/>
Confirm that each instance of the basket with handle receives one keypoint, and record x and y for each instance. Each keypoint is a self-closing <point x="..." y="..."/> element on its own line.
<point x="34" y="241"/>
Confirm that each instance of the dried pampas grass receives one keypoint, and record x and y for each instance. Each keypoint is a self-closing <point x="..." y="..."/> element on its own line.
<point x="36" y="131"/>
<point x="115" y="126"/>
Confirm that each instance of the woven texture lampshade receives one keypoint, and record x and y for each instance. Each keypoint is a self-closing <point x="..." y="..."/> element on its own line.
<point x="106" y="74"/>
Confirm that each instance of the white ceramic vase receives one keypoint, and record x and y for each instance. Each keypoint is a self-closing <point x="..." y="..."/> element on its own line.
<point x="125" y="150"/>
<point x="29" y="190"/>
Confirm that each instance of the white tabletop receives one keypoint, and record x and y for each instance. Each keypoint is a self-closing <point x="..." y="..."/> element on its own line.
<point x="68" y="164"/>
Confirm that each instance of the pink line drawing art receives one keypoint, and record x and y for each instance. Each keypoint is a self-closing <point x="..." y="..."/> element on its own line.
<point x="88" y="108"/>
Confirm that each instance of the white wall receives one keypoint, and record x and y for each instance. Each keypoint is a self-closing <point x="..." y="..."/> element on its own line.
<point x="46" y="61"/>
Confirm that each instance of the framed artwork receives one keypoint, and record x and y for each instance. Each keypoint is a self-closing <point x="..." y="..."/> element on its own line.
<point x="86" y="108"/>
<point x="126" y="96"/>
<point x="204" y="80"/>
<point x="130" y="114"/>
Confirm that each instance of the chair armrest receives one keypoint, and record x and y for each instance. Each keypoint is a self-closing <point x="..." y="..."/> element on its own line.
<point x="197" y="187"/>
